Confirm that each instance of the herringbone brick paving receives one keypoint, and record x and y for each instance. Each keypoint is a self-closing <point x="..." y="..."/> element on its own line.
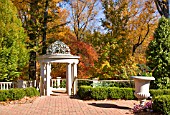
<point x="64" y="105"/>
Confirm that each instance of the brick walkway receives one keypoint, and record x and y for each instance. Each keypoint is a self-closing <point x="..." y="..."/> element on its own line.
<point x="64" y="105"/>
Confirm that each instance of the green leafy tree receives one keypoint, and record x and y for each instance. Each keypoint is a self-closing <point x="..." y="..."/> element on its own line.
<point x="158" y="54"/>
<point x="114" y="49"/>
<point x="13" y="52"/>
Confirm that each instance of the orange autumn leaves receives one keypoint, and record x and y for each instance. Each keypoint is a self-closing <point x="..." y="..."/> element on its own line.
<point x="72" y="24"/>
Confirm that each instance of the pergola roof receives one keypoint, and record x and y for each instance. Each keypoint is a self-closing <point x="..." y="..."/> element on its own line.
<point x="57" y="52"/>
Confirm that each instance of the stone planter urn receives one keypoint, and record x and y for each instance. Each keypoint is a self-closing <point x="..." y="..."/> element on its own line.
<point x="142" y="84"/>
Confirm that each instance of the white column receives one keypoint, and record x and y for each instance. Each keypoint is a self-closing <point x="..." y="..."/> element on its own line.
<point x="42" y="79"/>
<point x="69" y="84"/>
<point x="75" y="78"/>
<point x="72" y="78"/>
<point x="67" y="79"/>
<point x="48" y="79"/>
<point x="58" y="82"/>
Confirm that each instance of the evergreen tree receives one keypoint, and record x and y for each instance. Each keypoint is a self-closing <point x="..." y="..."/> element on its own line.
<point x="158" y="54"/>
<point x="13" y="53"/>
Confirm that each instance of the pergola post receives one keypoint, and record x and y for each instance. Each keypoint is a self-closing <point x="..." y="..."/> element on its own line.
<point x="48" y="78"/>
<point x="69" y="78"/>
<point x="42" y="67"/>
<point x="75" y="78"/>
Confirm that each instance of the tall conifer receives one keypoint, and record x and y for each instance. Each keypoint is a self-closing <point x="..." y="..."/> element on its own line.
<point x="13" y="53"/>
<point x="158" y="54"/>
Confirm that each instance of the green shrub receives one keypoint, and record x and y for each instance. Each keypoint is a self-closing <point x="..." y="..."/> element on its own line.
<point x="124" y="84"/>
<point x="84" y="92"/>
<point x="16" y="94"/>
<point x="115" y="93"/>
<point x="3" y="95"/>
<point x="161" y="104"/>
<point x="30" y="92"/>
<point x="121" y="93"/>
<point x="128" y="93"/>
<point x="63" y="84"/>
<point x="166" y="91"/>
<point x="84" y="82"/>
<point x="156" y="92"/>
<point x="99" y="93"/>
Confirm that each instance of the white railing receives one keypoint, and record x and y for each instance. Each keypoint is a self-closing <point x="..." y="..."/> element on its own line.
<point x="25" y="84"/>
<point x="18" y="84"/>
<point x="6" y="85"/>
<point x="96" y="82"/>
<point x="57" y="83"/>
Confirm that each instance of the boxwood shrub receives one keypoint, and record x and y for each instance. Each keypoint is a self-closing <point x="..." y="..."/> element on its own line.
<point x="121" y="93"/>
<point x="84" y="92"/>
<point x="156" y="92"/>
<point x="115" y="93"/>
<point x="17" y="93"/>
<point x="3" y="95"/>
<point x="128" y="93"/>
<point x="30" y="92"/>
<point x="166" y="91"/>
<point x="99" y="93"/>
<point x="161" y="104"/>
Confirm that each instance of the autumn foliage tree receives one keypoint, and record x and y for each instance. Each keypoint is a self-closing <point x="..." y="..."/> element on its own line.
<point x="114" y="47"/>
<point x="83" y="12"/>
<point x="129" y="26"/>
<point x="40" y="18"/>
<point x="142" y="23"/>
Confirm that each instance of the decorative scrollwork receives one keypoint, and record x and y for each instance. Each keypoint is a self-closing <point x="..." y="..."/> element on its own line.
<point x="58" y="47"/>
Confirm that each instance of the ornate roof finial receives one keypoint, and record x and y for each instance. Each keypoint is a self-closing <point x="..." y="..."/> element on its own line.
<point x="58" y="47"/>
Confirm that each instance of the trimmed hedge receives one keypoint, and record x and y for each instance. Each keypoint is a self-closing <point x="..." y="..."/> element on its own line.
<point x="161" y="104"/>
<point x="18" y="93"/>
<point x="84" y="92"/>
<point x="115" y="93"/>
<point x="98" y="93"/>
<point x="121" y="93"/>
<point x="101" y="93"/>
<point x="31" y="92"/>
<point x="3" y="95"/>
<point x="157" y="92"/>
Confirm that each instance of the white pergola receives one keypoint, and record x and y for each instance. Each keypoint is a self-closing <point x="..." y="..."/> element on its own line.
<point x="58" y="52"/>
